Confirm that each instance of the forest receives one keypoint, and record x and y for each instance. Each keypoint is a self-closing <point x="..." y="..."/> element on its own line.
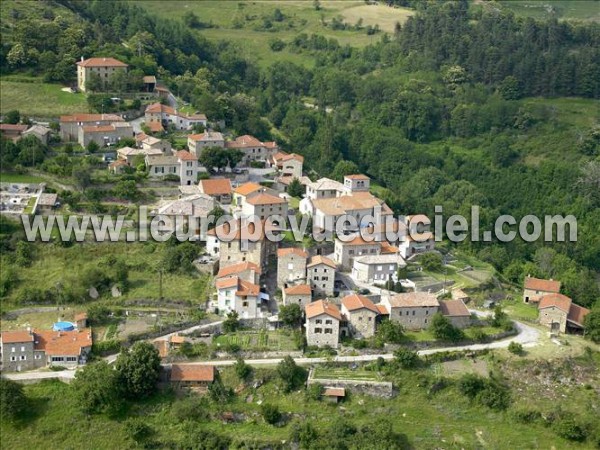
<point x="458" y="107"/>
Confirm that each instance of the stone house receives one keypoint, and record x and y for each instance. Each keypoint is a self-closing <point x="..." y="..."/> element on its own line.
<point x="104" y="135"/>
<point x="162" y="165"/>
<point x="40" y="132"/>
<point x="104" y="68"/>
<point x="129" y="154"/>
<point x="253" y="149"/>
<point x="300" y="294"/>
<point x="322" y="324"/>
<point x="166" y="115"/>
<point x="14" y="132"/>
<point x="243" y="191"/>
<point x="357" y="183"/>
<point x="418" y="237"/>
<point x="361" y="315"/>
<point x="69" y="125"/>
<point x="376" y="268"/>
<point x="192" y="377"/>
<point x="46" y="203"/>
<point x="218" y="188"/>
<point x="246" y="271"/>
<point x="456" y="312"/>
<point x="413" y="310"/>
<point x="320" y="275"/>
<point x="32" y="349"/>
<point x="198" y="142"/>
<point x="235" y="294"/>
<point x="291" y="266"/>
<point x="560" y="314"/>
<point x="185" y="212"/>
<point x="346" y="252"/>
<point x="288" y="165"/>
<point x="189" y="168"/>
<point x="151" y="143"/>
<point x="535" y="288"/>
<point x="263" y="206"/>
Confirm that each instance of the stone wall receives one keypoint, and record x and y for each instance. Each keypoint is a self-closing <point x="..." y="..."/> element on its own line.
<point x="375" y="388"/>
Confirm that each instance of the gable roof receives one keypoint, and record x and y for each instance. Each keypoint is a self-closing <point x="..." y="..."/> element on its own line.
<point x="265" y="199"/>
<point x="206" y="136"/>
<point x="358" y="176"/>
<point x="334" y="392"/>
<point x="92" y="118"/>
<point x="216" y="186"/>
<point x="17" y="336"/>
<point x="559" y="301"/>
<point x="354" y="302"/>
<point x="538" y="284"/>
<point x="243" y="287"/>
<point x="245" y="141"/>
<point x="291" y="156"/>
<point x="347" y="203"/>
<point x="238" y="268"/>
<point x="413" y="299"/>
<point x="13" y="127"/>
<point x="101" y="62"/>
<point x="322" y="307"/>
<point x="184" y="155"/>
<point x="319" y="259"/>
<point x="454" y="308"/>
<point x="281" y="252"/>
<point x="156" y="127"/>
<point x="248" y="188"/>
<point x="299" y="289"/>
<point x="382" y="309"/>
<point x="192" y="372"/>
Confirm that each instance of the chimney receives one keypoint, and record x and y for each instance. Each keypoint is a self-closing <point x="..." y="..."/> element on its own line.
<point x="82" y="59"/>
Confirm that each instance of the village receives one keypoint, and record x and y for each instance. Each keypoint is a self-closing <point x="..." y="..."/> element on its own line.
<point x="340" y="291"/>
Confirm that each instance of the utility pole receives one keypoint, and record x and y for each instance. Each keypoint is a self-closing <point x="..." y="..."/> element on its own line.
<point x="160" y="285"/>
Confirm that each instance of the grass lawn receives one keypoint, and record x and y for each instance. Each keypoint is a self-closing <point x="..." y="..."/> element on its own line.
<point x="39" y="99"/>
<point x="300" y="17"/>
<point x="257" y="340"/>
<point x="19" y="178"/>
<point x="345" y="373"/>
<point x="519" y="310"/>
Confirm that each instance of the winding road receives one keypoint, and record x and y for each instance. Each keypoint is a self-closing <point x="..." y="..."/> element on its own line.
<point x="527" y="336"/>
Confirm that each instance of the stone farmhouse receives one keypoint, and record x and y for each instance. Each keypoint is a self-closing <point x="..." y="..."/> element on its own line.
<point x="322" y="324"/>
<point x="320" y="275"/>
<point x="33" y="349"/>
<point x="192" y="377"/>
<point x="14" y="132"/>
<point x="361" y="314"/>
<point x="218" y="188"/>
<point x="300" y="294"/>
<point x="291" y="266"/>
<point x="104" y="135"/>
<point x="69" y="125"/>
<point x="198" y="142"/>
<point x="264" y="206"/>
<point x="558" y="313"/>
<point x="376" y="268"/>
<point x="166" y="115"/>
<point x="253" y="149"/>
<point x="456" y="312"/>
<point x="104" y="68"/>
<point x="413" y="310"/>
<point x="288" y="164"/>
<point x="535" y="288"/>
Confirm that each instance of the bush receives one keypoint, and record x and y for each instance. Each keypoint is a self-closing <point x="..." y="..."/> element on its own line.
<point x="515" y="348"/>
<point x="291" y="375"/>
<point x="12" y="399"/>
<point x="526" y="416"/>
<point x="242" y="370"/>
<point x="270" y="413"/>
<point x="407" y="359"/>
<point x="314" y="391"/>
<point x="569" y="427"/>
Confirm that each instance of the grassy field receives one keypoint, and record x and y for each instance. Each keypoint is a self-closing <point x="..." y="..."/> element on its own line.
<point x="261" y="340"/>
<point x="19" y="178"/>
<point x="445" y="419"/>
<point x="588" y="10"/>
<point x="345" y="373"/>
<point x="39" y="99"/>
<point x="300" y="17"/>
<point x="54" y="264"/>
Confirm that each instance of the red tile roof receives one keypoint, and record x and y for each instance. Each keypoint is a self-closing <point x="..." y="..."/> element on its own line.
<point x="192" y="372"/>
<point x="184" y="155"/>
<point x="319" y="307"/>
<point x="559" y="301"/>
<point x="155" y="108"/>
<point x="577" y="314"/>
<point x="234" y="229"/>
<point x="300" y="289"/>
<point x="101" y="62"/>
<point x="12" y="127"/>
<point x="245" y="141"/>
<point x="316" y="260"/>
<point x="334" y="392"/>
<point x="281" y="252"/>
<point x="357" y="177"/>
<point x="382" y="309"/>
<point x="156" y="127"/>
<point x="92" y="118"/>
<point x="238" y="268"/>
<point x="13" y="337"/>
<point x="98" y="128"/>
<point x="247" y="288"/>
<point x="353" y="302"/>
<point x="248" y="188"/>
<point x="216" y="186"/>
<point x="66" y="343"/>
<point x="454" y="308"/>
<point x="537" y="284"/>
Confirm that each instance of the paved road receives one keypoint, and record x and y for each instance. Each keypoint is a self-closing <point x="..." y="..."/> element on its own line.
<point x="527" y="336"/>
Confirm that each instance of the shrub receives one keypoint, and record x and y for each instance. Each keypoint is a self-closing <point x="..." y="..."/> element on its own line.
<point x="527" y="416"/>
<point x="314" y="391"/>
<point x="270" y="413"/>
<point x="515" y="348"/>
<point x="407" y="359"/>
<point x="569" y="427"/>
<point x="12" y="399"/>
<point x="494" y="396"/>
<point x="242" y="370"/>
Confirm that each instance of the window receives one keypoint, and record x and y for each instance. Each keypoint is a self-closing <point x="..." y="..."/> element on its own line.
<point x="351" y="252"/>
<point x="413" y="312"/>
<point x="324" y="278"/>
<point x="23" y="358"/>
<point x="13" y="358"/>
<point x="407" y="313"/>
<point x="360" y="319"/>
<point x="38" y="356"/>
<point x="379" y="268"/>
<point x="245" y="304"/>
<point x="328" y="331"/>
<point x="426" y="312"/>
<point x="57" y="358"/>
<point x="318" y="321"/>
<point x="318" y="330"/>
<point x="13" y="349"/>
<point x="71" y="358"/>
<point x="328" y="322"/>
<point x="22" y="348"/>
<point x="315" y="278"/>
<point x="290" y="266"/>
<point x="392" y="267"/>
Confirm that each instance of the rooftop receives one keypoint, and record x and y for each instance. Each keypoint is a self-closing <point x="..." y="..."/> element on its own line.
<point x="299" y="289"/>
<point x="454" y="308"/>
<point x="414" y="299"/>
<point x="281" y="252"/>
<point x="559" y="301"/>
<point x="538" y="284"/>
<point x="14" y="337"/>
<point x="319" y="259"/>
<point x="192" y="372"/>
<point x="216" y="186"/>
<point x="101" y="62"/>
<point x="355" y="301"/>
<point x="63" y="342"/>
<point x="320" y="307"/>
<point x="265" y="199"/>
<point x="238" y="268"/>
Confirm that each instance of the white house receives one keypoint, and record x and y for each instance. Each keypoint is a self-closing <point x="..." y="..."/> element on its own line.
<point x="236" y="294"/>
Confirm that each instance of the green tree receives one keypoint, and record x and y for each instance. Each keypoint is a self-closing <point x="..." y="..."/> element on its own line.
<point x="93" y="83"/>
<point x="343" y="168"/>
<point x="405" y="358"/>
<point x="98" y="314"/>
<point x="242" y="370"/>
<point x="126" y="190"/>
<point x="443" y="329"/>
<point x="592" y="325"/>
<point x="23" y="254"/>
<point x="97" y="389"/>
<point x="389" y="332"/>
<point x="12" y="117"/>
<point x="12" y="399"/>
<point x="290" y="315"/>
<point x="291" y="375"/>
<point x="231" y="323"/>
<point x="93" y="147"/>
<point x="295" y="188"/>
<point x="138" y="369"/>
<point x="431" y="262"/>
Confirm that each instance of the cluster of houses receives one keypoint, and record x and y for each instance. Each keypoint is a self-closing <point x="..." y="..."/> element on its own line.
<point x="557" y="312"/>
